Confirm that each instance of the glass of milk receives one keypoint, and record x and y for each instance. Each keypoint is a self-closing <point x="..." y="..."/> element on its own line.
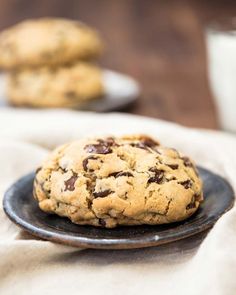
<point x="221" y="50"/>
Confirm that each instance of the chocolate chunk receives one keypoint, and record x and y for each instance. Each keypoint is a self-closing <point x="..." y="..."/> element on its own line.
<point x="109" y="141"/>
<point x="113" y="174"/>
<point x="153" y="169"/>
<point x="158" y="177"/>
<point x="102" y="194"/>
<point x="85" y="163"/>
<point x="139" y="145"/>
<point x="70" y="183"/>
<point x="186" y="184"/>
<point x="102" y="222"/>
<point x="145" y="143"/>
<point x="119" y="174"/>
<point x="173" y="166"/>
<point x="98" y="149"/>
<point x="187" y="162"/>
<point x="149" y="142"/>
<point x="128" y="174"/>
<point x="193" y="201"/>
<point x="102" y="147"/>
<point x="171" y="178"/>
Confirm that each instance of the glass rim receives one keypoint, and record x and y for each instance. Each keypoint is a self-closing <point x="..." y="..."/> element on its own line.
<point x="226" y="25"/>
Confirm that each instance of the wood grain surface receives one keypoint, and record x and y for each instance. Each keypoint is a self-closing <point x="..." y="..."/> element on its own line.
<point x="159" y="42"/>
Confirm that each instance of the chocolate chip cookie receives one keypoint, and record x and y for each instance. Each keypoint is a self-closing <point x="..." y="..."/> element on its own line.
<point x="47" y="41"/>
<point x="65" y="86"/>
<point x="115" y="181"/>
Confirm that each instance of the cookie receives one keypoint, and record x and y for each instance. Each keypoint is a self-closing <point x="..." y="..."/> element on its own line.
<point x="47" y="41"/>
<point x="65" y="86"/>
<point x="118" y="181"/>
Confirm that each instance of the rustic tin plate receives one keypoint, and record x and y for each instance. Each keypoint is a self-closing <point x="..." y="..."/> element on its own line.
<point x="121" y="91"/>
<point x="23" y="210"/>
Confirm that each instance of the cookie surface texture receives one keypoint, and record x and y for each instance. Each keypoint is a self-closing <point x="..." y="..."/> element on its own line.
<point x="65" y="86"/>
<point x="115" y="181"/>
<point x="47" y="41"/>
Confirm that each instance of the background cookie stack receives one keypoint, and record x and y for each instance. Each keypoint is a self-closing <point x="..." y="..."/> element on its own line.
<point x="49" y="63"/>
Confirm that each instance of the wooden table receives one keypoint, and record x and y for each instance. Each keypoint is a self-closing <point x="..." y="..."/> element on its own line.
<point x="160" y="43"/>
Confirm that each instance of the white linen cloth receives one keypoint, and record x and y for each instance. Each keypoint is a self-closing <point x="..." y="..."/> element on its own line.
<point x="32" y="266"/>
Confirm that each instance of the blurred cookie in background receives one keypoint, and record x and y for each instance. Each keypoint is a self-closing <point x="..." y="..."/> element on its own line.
<point x="47" y="41"/>
<point x="51" y="62"/>
<point x="64" y="86"/>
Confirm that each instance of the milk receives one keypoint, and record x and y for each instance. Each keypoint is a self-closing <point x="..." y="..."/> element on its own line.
<point x="221" y="47"/>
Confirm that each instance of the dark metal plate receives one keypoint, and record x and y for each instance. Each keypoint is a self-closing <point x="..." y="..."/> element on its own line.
<point x="23" y="210"/>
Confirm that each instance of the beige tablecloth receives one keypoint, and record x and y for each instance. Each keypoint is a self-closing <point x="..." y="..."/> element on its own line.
<point x="31" y="266"/>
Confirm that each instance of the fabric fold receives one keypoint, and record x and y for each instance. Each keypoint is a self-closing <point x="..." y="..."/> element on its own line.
<point x="199" y="265"/>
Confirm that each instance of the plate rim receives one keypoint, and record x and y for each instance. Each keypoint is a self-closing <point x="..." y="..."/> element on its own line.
<point x="114" y="243"/>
